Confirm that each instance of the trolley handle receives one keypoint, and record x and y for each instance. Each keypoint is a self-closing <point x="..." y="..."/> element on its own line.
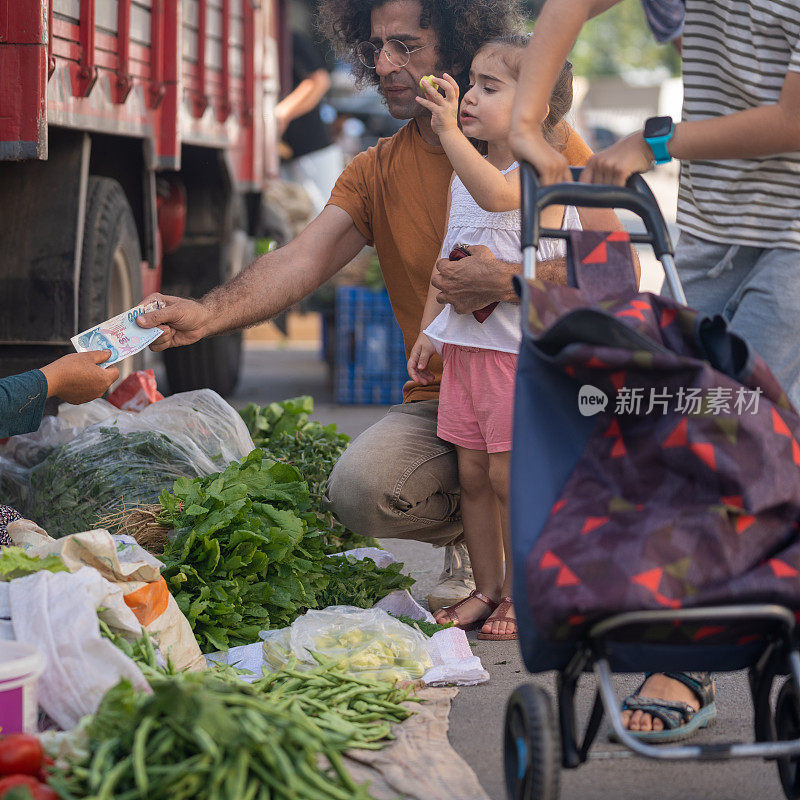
<point x="635" y="196"/>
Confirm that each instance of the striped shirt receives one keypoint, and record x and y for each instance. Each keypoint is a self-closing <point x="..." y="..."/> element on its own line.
<point x="736" y="54"/>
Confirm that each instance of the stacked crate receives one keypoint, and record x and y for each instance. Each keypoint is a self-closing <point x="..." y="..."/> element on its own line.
<point x="370" y="359"/>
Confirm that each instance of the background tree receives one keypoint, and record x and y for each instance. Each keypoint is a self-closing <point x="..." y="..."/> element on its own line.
<point x="618" y="42"/>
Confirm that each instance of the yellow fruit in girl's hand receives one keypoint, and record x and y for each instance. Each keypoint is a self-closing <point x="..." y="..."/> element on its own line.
<point x="427" y="80"/>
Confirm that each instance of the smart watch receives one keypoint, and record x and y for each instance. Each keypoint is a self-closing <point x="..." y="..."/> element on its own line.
<point x="657" y="133"/>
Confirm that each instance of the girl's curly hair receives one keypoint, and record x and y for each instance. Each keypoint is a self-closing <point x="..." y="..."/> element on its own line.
<point x="462" y="27"/>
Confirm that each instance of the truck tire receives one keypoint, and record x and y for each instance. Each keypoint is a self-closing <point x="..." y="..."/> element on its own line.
<point x="111" y="278"/>
<point x="207" y="364"/>
<point x="215" y="363"/>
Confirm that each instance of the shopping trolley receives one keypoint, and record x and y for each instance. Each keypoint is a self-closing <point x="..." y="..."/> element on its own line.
<point x="763" y="636"/>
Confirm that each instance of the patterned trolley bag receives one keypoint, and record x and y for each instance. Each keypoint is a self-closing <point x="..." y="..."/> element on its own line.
<point x="656" y="462"/>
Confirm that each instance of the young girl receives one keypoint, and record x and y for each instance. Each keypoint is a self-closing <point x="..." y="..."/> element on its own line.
<point x="480" y="352"/>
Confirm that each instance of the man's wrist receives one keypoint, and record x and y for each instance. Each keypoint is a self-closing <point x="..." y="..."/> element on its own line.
<point x="508" y="295"/>
<point x="212" y="325"/>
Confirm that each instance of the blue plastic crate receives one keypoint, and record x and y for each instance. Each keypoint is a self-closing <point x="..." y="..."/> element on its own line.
<point x="370" y="358"/>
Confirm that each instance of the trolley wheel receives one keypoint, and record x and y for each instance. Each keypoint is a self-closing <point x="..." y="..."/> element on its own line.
<point x="787" y="726"/>
<point x="532" y="746"/>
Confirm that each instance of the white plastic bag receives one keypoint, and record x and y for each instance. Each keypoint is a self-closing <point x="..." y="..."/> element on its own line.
<point x="211" y="431"/>
<point x="137" y="573"/>
<point x="371" y="643"/>
<point x="58" y="613"/>
<point x="30" y="449"/>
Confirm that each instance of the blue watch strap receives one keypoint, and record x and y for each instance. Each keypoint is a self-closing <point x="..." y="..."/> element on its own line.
<point x="658" y="144"/>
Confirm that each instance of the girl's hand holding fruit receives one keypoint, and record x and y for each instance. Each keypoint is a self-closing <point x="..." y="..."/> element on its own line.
<point x="443" y="108"/>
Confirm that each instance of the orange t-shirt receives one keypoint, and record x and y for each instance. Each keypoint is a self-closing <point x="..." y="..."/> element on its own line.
<point x="396" y="193"/>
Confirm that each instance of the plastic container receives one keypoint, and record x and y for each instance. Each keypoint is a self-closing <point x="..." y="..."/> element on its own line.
<point x="20" y="667"/>
<point x="370" y="358"/>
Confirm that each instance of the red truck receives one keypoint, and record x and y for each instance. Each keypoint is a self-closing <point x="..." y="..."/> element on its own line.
<point x="136" y="139"/>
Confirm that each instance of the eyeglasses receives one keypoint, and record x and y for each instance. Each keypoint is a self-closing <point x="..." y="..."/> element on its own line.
<point x="397" y="53"/>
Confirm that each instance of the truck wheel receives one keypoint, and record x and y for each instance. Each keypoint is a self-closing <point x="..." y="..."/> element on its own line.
<point x="207" y="364"/>
<point x="111" y="278"/>
<point x="214" y="363"/>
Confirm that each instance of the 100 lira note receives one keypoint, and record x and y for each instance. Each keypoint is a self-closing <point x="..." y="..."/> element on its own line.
<point x="121" y="335"/>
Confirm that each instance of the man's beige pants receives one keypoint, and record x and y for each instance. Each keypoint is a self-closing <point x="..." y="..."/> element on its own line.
<point x="399" y="480"/>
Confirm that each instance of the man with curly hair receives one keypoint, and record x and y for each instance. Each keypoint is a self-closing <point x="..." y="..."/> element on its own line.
<point x="397" y="479"/>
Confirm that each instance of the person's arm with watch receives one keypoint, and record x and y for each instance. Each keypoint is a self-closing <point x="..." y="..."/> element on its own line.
<point x="761" y="131"/>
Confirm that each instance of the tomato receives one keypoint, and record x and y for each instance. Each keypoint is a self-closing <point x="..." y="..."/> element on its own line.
<point x="20" y="754"/>
<point x="39" y="791"/>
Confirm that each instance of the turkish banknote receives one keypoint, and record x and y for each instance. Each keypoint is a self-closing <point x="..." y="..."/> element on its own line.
<point x="121" y="335"/>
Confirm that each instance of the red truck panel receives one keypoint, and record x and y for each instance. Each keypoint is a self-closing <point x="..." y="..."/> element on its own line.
<point x="191" y="72"/>
<point x="23" y="80"/>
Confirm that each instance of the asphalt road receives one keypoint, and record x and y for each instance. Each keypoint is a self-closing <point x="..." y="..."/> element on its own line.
<point x="476" y="719"/>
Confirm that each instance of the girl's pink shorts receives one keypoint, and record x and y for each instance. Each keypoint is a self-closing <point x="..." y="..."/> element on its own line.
<point x="476" y="400"/>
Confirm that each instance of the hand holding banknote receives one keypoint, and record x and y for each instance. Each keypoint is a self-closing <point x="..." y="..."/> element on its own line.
<point x="120" y="335"/>
<point x="182" y="321"/>
<point x="79" y="377"/>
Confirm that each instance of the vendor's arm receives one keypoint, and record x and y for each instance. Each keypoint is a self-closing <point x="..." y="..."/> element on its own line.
<point x="556" y="31"/>
<point x="762" y="131"/>
<point x="490" y="189"/>
<point x="269" y="285"/>
<point x="474" y="281"/>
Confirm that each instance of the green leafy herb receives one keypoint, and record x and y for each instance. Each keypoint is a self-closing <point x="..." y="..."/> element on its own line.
<point x="287" y="433"/>
<point x="360" y="582"/>
<point x="16" y="563"/>
<point x="101" y="472"/>
<point x="425" y="628"/>
<point x="245" y="558"/>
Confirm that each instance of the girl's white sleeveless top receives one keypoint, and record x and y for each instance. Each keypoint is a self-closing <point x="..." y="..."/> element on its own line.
<point x="469" y="224"/>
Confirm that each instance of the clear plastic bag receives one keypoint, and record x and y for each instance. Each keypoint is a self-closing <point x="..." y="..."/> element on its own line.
<point x="87" y="414"/>
<point x="15" y="483"/>
<point x="208" y="428"/>
<point x="128" y="458"/>
<point x="370" y="643"/>
<point x="30" y="449"/>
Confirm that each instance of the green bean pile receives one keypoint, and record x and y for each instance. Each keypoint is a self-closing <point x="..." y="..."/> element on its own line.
<point x="360" y="710"/>
<point x="204" y="738"/>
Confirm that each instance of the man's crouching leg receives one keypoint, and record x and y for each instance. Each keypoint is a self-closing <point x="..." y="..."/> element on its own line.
<point x="398" y="480"/>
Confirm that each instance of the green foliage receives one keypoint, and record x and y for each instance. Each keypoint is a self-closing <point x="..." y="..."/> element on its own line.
<point x="100" y="473"/>
<point x="250" y="555"/>
<point x="16" y="563"/>
<point x="287" y="433"/>
<point x="620" y="41"/>
<point x="373" y="275"/>
<point x="360" y="583"/>
<point x="202" y="736"/>
<point x="425" y="628"/>
<point x="244" y="559"/>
